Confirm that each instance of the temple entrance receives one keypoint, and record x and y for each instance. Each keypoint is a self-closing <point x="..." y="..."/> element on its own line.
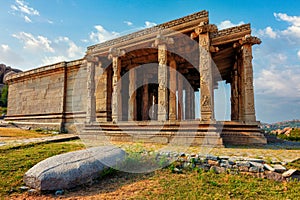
<point x="146" y="99"/>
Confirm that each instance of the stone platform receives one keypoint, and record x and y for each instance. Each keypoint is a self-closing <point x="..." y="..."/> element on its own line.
<point x="193" y="133"/>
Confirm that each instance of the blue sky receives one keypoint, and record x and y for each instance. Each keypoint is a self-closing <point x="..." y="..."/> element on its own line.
<point x="35" y="33"/>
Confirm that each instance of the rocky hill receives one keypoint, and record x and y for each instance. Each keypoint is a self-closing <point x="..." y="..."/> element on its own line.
<point x="4" y="72"/>
<point x="281" y="125"/>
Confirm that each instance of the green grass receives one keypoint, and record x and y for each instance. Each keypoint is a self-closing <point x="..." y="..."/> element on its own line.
<point x="208" y="185"/>
<point x="14" y="162"/>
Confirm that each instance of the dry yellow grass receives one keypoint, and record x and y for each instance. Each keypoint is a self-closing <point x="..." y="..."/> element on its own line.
<point x="7" y="134"/>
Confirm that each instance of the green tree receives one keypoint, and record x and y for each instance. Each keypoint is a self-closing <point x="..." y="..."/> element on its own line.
<point x="4" y="95"/>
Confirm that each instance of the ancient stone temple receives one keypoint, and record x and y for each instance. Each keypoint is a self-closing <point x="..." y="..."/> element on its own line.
<point x="155" y="85"/>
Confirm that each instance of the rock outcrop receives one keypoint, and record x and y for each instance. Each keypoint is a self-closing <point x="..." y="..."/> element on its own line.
<point x="72" y="169"/>
<point x="4" y="72"/>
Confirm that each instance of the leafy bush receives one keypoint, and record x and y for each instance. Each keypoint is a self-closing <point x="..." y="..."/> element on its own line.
<point x="4" y="94"/>
<point x="294" y="135"/>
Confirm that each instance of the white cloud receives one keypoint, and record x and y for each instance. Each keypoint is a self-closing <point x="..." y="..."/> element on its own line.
<point x="149" y="24"/>
<point x="48" y="60"/>
<point x="228" y="24"/>
<point x="8" y="56"/>
<point x="65" y="50"/>
<point x="128" y="23"/>
<point x="27" y="19"/>
<point x="22" y="6"/>
<point x="268" y="32"/>
<point x="294" y="28"/>
<point x="73" y="51"/>
<point x="279" y="83"/>
<point x="102" y="34"/>
<point x="35" y="44"/>
<point x="298" y="54"/>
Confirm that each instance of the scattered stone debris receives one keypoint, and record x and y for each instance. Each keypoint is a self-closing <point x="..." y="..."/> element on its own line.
<point x="232" y="165"/>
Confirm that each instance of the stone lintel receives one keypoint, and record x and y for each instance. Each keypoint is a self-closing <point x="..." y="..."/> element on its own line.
<point x="115" y="52"/>
<point x="248" y="39"/>
<point x="162" y="40"/>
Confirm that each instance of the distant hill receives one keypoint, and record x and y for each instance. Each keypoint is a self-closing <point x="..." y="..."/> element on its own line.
<point x="4" y="72"/>
<point x="281" y="125"/>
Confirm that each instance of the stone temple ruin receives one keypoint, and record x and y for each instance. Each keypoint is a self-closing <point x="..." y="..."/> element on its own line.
<point x="143" y="87"/>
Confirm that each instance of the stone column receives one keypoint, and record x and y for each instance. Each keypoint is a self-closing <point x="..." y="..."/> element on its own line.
<point x="172" y="87"/>
<point x="234" y="94"/>
<point x="180" y="96"/>
<point x="247" y="78"/>
<point x="90" y="103"/>
<point x="205" y="69"/>
<point x="145" y="112"/>
<point x="115" y="55"/>
<point x="161" y="42"/>
<point x="188" y="102"/>
<point x="132" y="95"/>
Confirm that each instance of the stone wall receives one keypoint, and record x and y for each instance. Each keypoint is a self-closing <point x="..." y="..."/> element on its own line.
<point x="49" y="96"/>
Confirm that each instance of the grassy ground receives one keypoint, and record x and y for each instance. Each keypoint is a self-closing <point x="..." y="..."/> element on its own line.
<point x="7" y="134"/>
<point x="162" y="184"/>
<point x="14" y="162"/>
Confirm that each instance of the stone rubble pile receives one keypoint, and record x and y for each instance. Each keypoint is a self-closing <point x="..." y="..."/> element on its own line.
<point x="232" y="165"/>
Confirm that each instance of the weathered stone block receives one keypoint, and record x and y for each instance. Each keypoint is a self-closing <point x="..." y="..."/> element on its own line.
<point x="72" y="169"/>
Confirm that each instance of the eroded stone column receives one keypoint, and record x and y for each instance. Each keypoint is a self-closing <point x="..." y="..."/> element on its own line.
<point x="90" y="103"/>
<point x="180" y="96"/>
<point x="247" y="78"/>
<point x="188" y="102"/>
<point x="115" y="55"/>
<point x="206" y="76"/>
<point x="172" y="94"/>
<point x="132" y="95"/>
<point x="145" y="113"/>
<point x="161" y="42"/>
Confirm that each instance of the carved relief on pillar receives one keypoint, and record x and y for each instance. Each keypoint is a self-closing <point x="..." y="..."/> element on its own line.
<point x="161" y="43"/>
<point x="116" y="106"/>
<point x="172" y="87"/>
<point x="247" y="92"/>
<point x="206" y="73"/>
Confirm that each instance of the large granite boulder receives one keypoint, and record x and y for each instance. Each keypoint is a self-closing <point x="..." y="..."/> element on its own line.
<point x="72" y="169"/>
<point x="5" y="71"/>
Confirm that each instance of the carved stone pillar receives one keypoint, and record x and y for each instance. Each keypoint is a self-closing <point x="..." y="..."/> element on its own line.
<point x="145" y="112"/>
<point x="132" y="95"/>
<point x="205" y="69"/>
<point x="91" y="103"/>
<point x="172" y="94"/>
<point x="234" y="94"/>
<point x="180" y="96"/>
<point x="247" y="78"/>
<point x="115" y="55"/>
<point x="188" y="102"/>
<point x="161" y="42"/>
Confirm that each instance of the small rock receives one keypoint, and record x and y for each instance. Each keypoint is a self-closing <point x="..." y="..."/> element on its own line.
<point x="255" y="164"/>
<point x="289" y="173"/>
<point x="255" y="160"/>
<point x="32" y="191"/>
<point x="255" y="169"/>
<point x="243" y="163"/>
<point x="24" y="188"/>
<point x="224" y="157"/>
<point x="59" y="192"/>
<point x="176" y="170"/>
<point x="211" y="157"/>
<point x="268" y="167"/>
<point x="279" y="168"/>
<point x="213" y="163"/>
<point x="218" y="170"/>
